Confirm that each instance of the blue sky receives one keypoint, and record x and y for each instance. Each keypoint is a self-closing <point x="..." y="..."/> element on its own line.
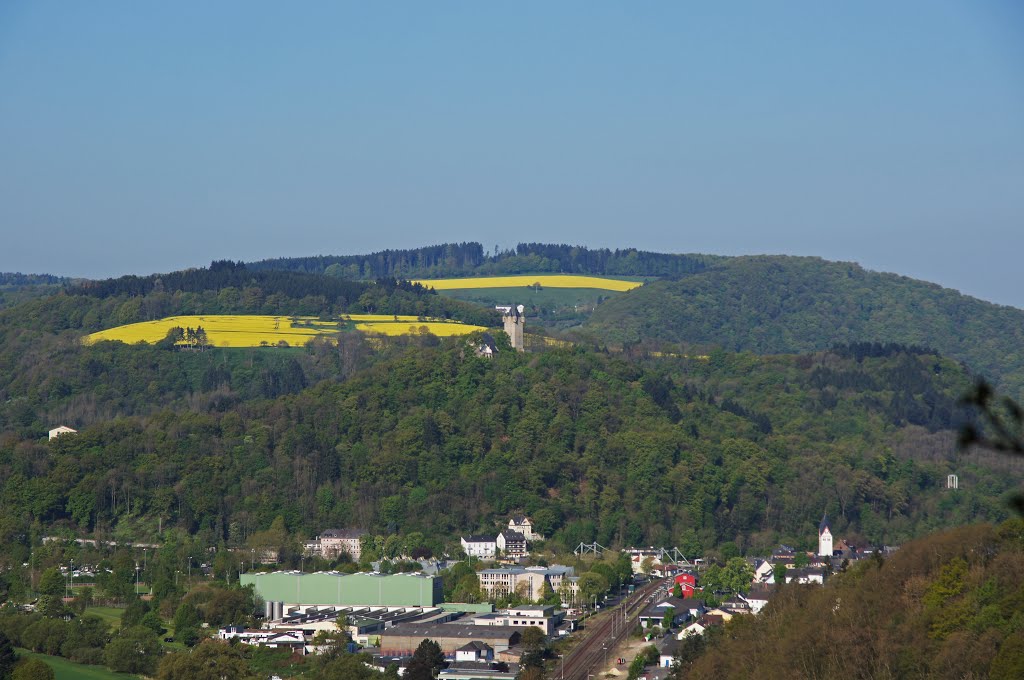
<point x="145" y="136"/>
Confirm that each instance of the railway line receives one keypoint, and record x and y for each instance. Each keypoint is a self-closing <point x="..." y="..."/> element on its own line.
<point x="603" y="636"/>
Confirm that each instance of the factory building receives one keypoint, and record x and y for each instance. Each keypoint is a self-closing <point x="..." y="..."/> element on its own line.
<point x="335" y="589"/>
<point x="403" y="640"/>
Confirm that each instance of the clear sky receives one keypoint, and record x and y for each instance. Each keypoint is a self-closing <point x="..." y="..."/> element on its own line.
<point x="142" y="136"/>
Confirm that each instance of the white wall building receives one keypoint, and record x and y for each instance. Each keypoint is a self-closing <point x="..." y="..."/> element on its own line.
<point x="480" y="546"/>
<point x="512" y="544"/>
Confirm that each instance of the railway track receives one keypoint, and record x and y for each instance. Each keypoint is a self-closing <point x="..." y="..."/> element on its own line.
<point x="603" y="636"/>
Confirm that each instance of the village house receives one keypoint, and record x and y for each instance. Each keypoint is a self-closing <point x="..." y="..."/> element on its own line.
<point x="695" y="628"/>
<point x="708" y="620"/>
<point x="332" y="542"/>
<point x="667" y="649"/>
<point x="682" y="610"/>
<point x="757" y="598"/>
<point x="474" y="651"/>
<point x="763" y="571"/>
<point x="512" y="544"/>
<point x="484" y="547"/>
<point x="523" y="525"/>
<point x="806" y="575"/>
<point x="486" y="349"/>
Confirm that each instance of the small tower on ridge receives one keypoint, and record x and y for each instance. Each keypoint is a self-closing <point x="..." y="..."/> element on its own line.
<point x="824" y="538"/>
<point x="514" y="320"/>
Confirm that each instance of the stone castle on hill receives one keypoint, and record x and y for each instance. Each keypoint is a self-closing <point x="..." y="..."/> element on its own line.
<point x="514" y="320"/>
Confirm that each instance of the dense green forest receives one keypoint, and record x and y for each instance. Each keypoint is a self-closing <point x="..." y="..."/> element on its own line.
<point x="947" y="606"/>
<point x="466" y="259"/>
<point x="95" y="305"/>
<point x="13" y="279"/>
<point x="16" y="287"/>
<point x="620" y="449"/>
<point x="760" y="304"/>
<point x="781" y="304"/>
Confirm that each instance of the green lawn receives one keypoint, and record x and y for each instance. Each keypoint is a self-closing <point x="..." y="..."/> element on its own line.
<point x="112" y="615"/>
<point x="549" y="299"/>
<point x="68" y="670"/>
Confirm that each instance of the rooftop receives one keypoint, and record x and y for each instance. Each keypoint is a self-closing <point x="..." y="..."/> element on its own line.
<point x="295" y="572"/>
<point x="478" y="538"/>
<point x="451" y="630"/>
<point x="475" y="646"/>
<point x="341" y="533"/>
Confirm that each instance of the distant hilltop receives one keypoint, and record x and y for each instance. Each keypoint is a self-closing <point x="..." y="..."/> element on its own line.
<point x="761" y="304"/>
<point x="465" y="259"/>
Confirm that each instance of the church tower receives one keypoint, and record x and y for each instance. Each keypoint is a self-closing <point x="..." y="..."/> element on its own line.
<point x="824" y="538"/>
<point x="514" y="320"/>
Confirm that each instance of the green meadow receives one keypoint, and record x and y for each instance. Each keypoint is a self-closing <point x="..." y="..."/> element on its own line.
<point x="69" y="670"/>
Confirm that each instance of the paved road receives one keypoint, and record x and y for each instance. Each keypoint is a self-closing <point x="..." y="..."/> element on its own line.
<point x="603" y="635"/>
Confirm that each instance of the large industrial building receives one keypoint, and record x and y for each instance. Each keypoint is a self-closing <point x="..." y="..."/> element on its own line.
<point x="331" y="588"/>
<point x="403" y="640"/>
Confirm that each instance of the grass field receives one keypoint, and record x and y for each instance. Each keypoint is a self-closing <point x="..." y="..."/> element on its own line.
<point x="69" y="670"/>
<point x="545" y="298"/>
<point x="545" y="280"/>
<point x="112" y="615"/>
<point x="255" y="331"/>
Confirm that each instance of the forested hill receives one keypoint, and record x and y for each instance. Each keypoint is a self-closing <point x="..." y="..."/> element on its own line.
<point x="762" y="304"/>
<point x="777" y="304"/>
<point x="11" y="279"/>
<point x="425" y="438"/>
<point x="16" y="287"/>
<point x="470" y="259"/>
<point x="225" y="287"/>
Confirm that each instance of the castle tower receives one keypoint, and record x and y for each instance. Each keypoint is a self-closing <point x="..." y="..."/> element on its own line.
<point x="514" y="320"/>
<point x="824" y="538"/>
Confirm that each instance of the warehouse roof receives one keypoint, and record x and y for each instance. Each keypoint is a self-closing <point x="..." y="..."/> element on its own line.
<point x="451" y="630"/>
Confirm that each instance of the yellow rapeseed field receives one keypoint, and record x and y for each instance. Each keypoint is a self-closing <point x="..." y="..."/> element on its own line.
<point x="545" y="280"/>
<point x="379" y="317"/>
<point x="245" y="330"/>
<point x="440" y="329"/>
<point x="221" y="330"/>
